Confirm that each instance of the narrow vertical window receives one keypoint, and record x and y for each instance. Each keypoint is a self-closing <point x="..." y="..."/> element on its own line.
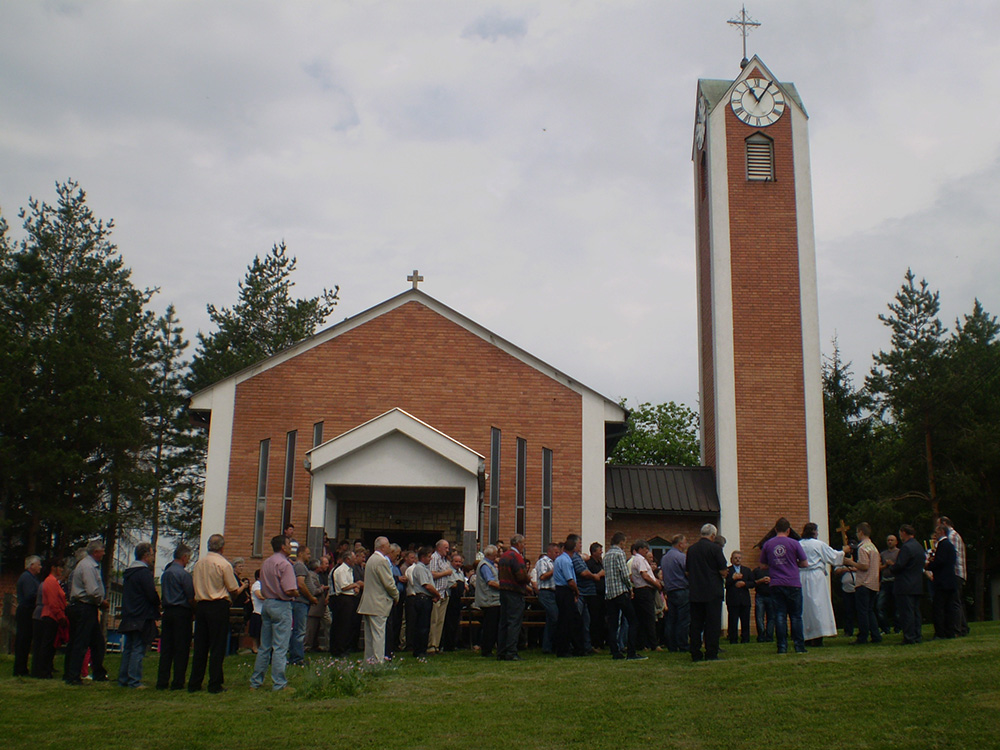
<point x="522" y="460"/>
<point x="258" y="521"/>
<point x="493" y="524"/>
<point x="317" y="434"/>
<point x="760" y="158"/>
<point x="286" y="508"/>
<point x="546" y="497"/>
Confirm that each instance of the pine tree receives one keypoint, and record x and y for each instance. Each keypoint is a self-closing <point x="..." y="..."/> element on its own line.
<point x="265" y="320"/>
<point x="969" y="443"/>
<point x="906" y="380"/>
<point x="71" y="327"/>
<point x="170" y="433"/>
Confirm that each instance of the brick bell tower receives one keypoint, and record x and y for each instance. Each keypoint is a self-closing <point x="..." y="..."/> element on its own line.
<point x="759" y="359"/>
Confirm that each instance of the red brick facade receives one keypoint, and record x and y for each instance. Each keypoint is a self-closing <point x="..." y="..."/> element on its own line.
<point x="767" y="335"/>
<point x="418" y="360"/>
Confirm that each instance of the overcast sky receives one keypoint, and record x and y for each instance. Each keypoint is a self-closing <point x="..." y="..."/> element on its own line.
<point x="531" y="159"/>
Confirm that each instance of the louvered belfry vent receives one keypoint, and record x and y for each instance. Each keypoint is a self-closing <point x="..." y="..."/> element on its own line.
<point x="760" y="158"/>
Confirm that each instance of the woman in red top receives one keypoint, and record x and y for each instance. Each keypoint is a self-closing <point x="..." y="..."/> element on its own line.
<point x="53" y="617"/>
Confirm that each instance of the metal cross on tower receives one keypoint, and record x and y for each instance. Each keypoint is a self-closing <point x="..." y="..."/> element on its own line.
<point x="416" y="278"/>
<point x="746" y="25"/>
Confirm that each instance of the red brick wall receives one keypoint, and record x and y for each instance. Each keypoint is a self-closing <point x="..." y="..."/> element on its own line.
<point x="415" y="359"/>
<point x="767" y="332"/>
<point x="642" y="526"/>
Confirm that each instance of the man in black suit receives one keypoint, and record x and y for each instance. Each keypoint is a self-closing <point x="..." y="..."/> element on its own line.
<point x="909" y="572"/>
<point x="706" y="568"/>
<point x="941" y="563"/>
<point x="739" y="581"/>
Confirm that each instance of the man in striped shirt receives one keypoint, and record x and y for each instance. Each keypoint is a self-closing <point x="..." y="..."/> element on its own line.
<point x="618" y="593"/>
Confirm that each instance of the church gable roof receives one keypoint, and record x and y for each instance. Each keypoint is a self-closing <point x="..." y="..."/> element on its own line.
<point x="202" y="399"/>
<point x="395" y="421"/>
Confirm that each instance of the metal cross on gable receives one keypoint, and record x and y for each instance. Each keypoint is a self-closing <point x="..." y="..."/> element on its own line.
<point x="746" y="25"/>
<point x="415" y="277"/>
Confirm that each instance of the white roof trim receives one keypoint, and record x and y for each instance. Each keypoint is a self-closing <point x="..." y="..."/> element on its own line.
<point x="393" y="421"/>
<point x="202" y="399"/>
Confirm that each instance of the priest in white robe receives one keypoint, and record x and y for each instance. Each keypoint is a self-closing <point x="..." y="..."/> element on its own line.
<point x="817" y="608"/>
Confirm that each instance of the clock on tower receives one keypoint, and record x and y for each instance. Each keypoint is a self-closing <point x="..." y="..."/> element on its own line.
<point x="761" y="383"/>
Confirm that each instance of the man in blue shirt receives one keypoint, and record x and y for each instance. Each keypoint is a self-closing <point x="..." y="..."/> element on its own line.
<point x="673" y="565"/>
<point x="587" y="586"/>
<point x="569" y="629"/>
<point x="178" y="615"/>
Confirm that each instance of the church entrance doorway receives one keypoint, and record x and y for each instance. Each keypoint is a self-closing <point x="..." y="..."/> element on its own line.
<point x="408" y="516"/>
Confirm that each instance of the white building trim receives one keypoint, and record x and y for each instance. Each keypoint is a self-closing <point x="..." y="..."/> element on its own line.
<point x="723" y="347"/>
<point x="221" y="402"/>
<point x="812" y="367"/>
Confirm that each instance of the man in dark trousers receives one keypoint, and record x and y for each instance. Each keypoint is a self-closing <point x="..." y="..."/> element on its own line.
<point x="86" y="600"/>
<point x="706" y="569"/>
<point x="27" y="597"/>
<point x="514" y="585"/>
<point x="909" y="584"/>
<point x="941" y="562"/>
<point x="764" y="613"/>
<point x="739" y="581"/>
<point x="178" y="617"/>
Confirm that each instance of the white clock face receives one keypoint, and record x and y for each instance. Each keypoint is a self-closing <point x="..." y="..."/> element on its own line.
<point x="757" y="102"/>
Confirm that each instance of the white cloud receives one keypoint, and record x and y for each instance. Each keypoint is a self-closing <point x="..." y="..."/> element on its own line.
<point x="532" y="159"/>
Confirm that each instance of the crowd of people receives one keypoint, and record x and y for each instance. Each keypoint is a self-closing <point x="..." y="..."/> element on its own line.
<point x="624" y="602"/>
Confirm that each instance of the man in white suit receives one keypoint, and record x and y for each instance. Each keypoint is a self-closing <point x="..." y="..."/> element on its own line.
<point x="377" y="598"/>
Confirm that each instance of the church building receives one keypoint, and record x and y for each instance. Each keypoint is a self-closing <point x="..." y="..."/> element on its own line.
<point x="413" y="421"/>
<point x="409" y="420"/>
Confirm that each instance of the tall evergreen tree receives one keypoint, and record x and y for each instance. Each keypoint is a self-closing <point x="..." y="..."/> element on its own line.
<point x="71" y="327"/>
<point x="969" y="443"/>
<point x="170" y="433"/>
<point x="265" y="320"/>
<point x="906" y="383"/>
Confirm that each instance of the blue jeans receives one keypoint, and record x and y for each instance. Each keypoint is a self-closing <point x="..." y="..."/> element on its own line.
<point x="547" y="598"/>
<point x="275" y="630"/>
<point x="788" y="605"/>
<point x="297" y="645"/>
<point x="133" y="651"/>
<point x="764" y="615"/>
<point x="678" y="619"/>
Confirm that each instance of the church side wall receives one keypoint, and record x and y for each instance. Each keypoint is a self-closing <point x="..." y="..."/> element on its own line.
<point x="416" y="359"/>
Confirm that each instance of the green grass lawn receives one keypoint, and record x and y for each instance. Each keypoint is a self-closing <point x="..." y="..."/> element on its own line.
<point x="936" y="695"/>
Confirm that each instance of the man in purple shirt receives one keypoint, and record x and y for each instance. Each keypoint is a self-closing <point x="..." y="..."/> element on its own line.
<point x="279" y="588"/>
<point x="784" y="556"/>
